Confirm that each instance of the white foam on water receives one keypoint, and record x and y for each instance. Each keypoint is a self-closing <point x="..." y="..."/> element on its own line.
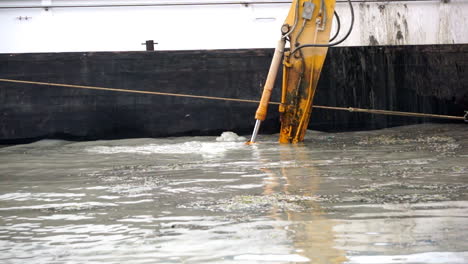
<point x="192" y="147"/>
<point x="229" y="136"/>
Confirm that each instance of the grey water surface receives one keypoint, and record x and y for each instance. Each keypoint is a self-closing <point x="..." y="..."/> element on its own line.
<point x="396" y="195"/>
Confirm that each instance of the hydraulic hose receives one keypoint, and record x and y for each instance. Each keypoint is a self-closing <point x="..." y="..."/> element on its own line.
<point x="296" y="18"/>
<point x="338" y="26"/>
<point x="330" y="44"/>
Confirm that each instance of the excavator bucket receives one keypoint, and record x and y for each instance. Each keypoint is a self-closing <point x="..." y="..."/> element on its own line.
<point x="308" y="22"/>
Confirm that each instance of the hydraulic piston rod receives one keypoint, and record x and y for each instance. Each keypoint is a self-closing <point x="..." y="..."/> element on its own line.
<point x="262" y="109"/>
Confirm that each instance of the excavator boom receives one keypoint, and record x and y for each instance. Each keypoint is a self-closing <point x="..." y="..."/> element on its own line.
<point x="309" y="22"/>
<point x="307" y="29"/>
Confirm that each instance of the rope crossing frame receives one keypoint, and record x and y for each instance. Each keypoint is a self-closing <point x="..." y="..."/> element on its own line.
<point x="349" y="109"/>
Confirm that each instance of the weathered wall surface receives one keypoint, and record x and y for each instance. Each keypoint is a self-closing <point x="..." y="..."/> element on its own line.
<point x="425" y="79"/>
<point x="70" y="26"/>
<point x="430" y="79"/>
<point x="408" y="23"/>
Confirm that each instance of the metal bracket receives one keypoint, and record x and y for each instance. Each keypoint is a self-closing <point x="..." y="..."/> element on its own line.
<point x="308" y="10"/>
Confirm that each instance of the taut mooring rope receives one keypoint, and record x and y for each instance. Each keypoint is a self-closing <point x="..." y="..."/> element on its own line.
<point x="349" y="109"/>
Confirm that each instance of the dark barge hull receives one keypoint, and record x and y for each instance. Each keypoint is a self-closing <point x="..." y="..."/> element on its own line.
<point x="427" y="79"/>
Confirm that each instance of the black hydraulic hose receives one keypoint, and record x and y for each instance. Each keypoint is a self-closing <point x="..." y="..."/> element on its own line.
<point x="338" y="26"/>
<point x="331" y="44"/>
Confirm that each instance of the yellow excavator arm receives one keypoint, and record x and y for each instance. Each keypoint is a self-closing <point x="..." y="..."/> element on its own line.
<point x="307" y="29"/>
<point x="308" y="23"/>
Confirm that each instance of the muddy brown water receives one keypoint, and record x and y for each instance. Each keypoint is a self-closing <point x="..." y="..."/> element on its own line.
<point x="396" y="195"/>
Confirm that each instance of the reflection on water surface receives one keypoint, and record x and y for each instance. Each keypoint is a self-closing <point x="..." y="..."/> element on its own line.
<point x="390" y="196"/>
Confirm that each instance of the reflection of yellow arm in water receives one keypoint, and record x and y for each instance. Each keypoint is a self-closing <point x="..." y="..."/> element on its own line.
<point x="307" y="29"/>
<point x="312" y="233"/>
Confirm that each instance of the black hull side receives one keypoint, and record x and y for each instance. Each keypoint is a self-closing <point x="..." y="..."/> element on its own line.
<point x="429" y="79"/>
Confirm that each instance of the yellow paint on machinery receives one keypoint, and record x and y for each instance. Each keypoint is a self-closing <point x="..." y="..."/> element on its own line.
<point x="308" y="22"/>
<point x="301" y="70"/>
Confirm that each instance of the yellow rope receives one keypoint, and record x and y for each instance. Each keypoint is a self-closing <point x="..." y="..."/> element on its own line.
<point x="349" y="109"/>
